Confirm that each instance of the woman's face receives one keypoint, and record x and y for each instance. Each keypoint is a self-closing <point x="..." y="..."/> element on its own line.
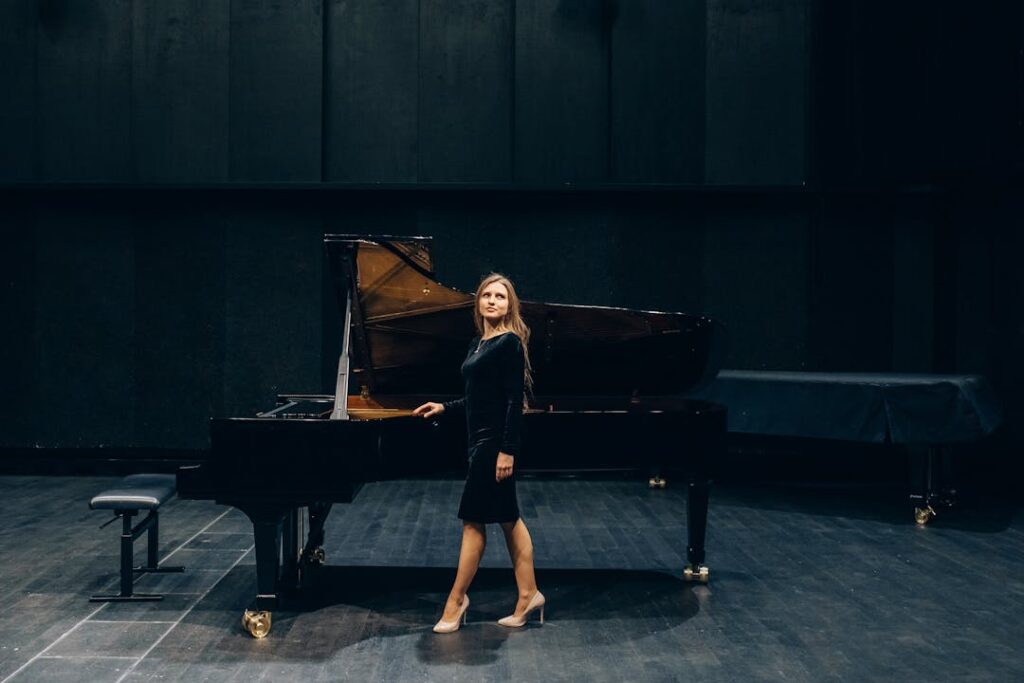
<point x="493" y="303"/>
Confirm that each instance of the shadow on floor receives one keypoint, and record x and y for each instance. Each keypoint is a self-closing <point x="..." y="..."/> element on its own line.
<point x="344" y="606"/>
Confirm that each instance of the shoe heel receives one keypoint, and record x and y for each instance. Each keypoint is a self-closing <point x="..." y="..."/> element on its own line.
<point x="542" y="614"/>
<point x="465" y="617"/>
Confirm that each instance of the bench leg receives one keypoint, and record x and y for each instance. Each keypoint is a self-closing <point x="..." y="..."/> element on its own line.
<point x="128" y="536"/>
<point x="153" y="550"/>
<point x="127" y="593"/>
<point x="127" y="550"/>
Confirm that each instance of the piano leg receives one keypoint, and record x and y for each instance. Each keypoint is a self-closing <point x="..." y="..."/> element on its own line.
<point x="313" y="554"/>
<point x="696" y="525"/>
<point x="266" y="526"/>
<point x="291" y="544"/>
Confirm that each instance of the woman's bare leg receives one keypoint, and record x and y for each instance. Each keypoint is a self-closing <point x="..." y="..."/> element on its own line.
<point x="474" y="540"/>
<point x="520" y="550"/>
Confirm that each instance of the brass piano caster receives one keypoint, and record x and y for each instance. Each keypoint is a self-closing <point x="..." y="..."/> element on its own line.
<point x="316" y="557"/>
<point x="924" y="515"/>
<point x="656" y="482"/>
<point x="257" y="623"/>
<point x="700" y="574"/>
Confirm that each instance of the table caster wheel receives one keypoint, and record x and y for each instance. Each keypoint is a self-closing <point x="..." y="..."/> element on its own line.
<point x="316" y="557"/>
<point x="924" y="515"/>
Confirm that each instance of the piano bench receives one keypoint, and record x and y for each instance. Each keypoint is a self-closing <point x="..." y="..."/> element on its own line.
<point x="132" y="495"/>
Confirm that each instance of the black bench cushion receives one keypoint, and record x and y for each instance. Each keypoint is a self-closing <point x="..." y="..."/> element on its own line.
<point x="136" y="492"/>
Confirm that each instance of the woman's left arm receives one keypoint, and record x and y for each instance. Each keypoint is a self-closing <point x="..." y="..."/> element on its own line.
<point x="512" y="383"/>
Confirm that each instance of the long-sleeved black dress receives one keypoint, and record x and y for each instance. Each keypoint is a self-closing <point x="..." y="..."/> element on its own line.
<point x="493" y="408"/>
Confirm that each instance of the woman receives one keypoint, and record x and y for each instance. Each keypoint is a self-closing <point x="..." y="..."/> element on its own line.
<point x="497" y="373"/>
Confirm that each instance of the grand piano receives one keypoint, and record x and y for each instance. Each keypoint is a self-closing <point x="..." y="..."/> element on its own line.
<point x="606" y="387"/>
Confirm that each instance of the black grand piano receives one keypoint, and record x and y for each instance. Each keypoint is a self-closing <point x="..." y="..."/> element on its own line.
<point x="606" y="387"/>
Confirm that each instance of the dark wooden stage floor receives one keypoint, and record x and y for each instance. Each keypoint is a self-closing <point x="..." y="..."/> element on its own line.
<point x="808" y="584"/>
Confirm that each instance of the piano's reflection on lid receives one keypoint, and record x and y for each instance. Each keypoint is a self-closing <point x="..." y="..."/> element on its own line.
<point x="606" y="380"/>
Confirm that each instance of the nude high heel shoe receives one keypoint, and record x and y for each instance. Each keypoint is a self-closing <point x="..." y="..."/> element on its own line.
<point x="536" y="602"/>
<point x="453" y="625"/>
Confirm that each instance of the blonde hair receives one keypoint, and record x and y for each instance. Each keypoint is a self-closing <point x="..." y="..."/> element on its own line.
<point x="513" y="322"/>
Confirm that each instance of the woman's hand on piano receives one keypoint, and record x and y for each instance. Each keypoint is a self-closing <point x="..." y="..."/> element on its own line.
<point x="429" y="409"/>
<point x="504" y="467"/>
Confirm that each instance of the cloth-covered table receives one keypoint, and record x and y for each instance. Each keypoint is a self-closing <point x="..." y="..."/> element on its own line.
<point x="853" y="406"/>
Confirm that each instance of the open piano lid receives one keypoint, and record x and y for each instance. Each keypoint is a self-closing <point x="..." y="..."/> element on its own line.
<point x="409" y="333"/>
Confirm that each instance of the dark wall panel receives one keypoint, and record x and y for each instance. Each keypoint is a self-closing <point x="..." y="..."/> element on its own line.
<point x="913" y="291"/>
<point x="17" y="83"/>
<point x="466" y="240"/>
<point x="370" y="215"/>
<point x="902" y="134"/>
<point x="272" y="260"/>
<point x="874" y="75"/>
<point x="465" y="78"/>
<point x="84" y="90"/>
<point x="1008" y="314"/>
<point x="84" y="328"/>
<point x="982" y="315"/>
<point x="657" y="257"/>
<point x="20" y="399"/>
<point x="572" y="249"/>
<point x="563" y="253"/>
<point x="978" y="87"/>
<point x="851" y="290"/>
<point x="657" y="98"/>
<point x="561" y="91"/>
<point x="755" y="270"/>
<point x="838" y="139"/>
<point x="179" y="352"/>
<point x="180" y="90"/>
<point x="551" y="250"/>
<point x="276" y="82"/>
<point x="757" y="61"/>
<point x="370" y="91"/>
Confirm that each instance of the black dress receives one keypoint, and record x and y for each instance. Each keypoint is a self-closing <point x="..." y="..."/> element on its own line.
<point x="493" y="408"/>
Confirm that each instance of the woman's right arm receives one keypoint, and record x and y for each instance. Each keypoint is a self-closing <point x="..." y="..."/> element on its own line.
<point x="430" y="408"/>
<point x="455" y="408"/>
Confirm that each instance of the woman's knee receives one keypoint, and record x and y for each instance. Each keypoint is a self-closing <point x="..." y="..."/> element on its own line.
<point x="474" y="529"/>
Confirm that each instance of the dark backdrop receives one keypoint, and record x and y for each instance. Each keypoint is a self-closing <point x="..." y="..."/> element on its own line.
<point x="834" y="181"/>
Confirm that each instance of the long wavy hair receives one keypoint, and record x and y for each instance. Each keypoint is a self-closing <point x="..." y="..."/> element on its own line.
<point x="513" y="322"/>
